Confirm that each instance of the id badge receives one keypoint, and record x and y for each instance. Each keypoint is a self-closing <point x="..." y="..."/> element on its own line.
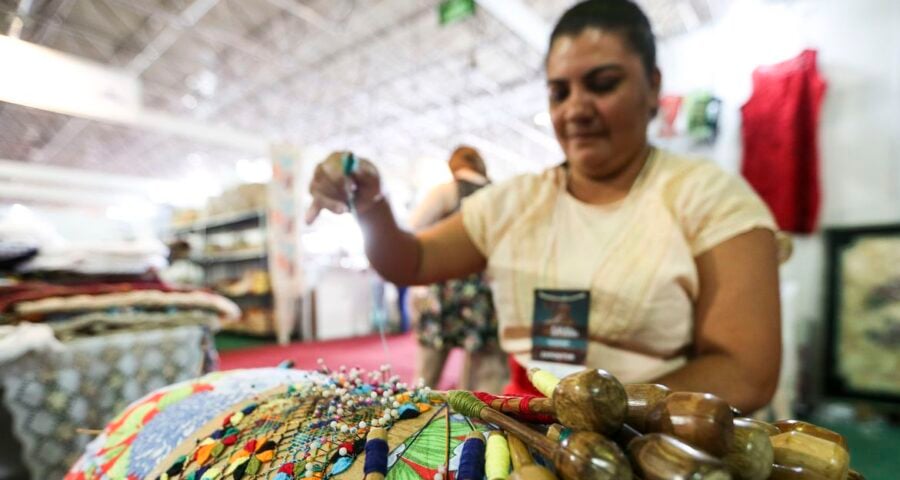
<point x="559" y="328"/>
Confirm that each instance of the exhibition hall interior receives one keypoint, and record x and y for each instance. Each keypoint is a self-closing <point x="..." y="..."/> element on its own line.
<point x="449" y="239"/>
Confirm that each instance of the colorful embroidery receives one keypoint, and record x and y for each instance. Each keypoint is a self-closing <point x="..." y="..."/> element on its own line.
<point x="311" y="429"/>
<point x="176" y="418"/>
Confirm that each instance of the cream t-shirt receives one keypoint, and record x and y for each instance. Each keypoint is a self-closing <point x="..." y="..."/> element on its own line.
<point x="636" y="256"/>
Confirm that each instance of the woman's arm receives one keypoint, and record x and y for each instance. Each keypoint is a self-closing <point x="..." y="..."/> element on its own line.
<point x="737" y="337"/>
<point x="439" y="252"/>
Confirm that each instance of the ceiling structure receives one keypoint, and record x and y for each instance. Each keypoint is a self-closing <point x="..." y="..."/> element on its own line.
<point x="382" y="77"/>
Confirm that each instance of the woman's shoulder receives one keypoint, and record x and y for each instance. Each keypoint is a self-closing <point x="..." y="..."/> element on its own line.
<point x="674" y="167"/>
<point x="709" y="203"/>
<point x="547" y="178"/>
<point x="523" y="187"/>
<point x="490" y="213"/>
<point x="678" y="175"/>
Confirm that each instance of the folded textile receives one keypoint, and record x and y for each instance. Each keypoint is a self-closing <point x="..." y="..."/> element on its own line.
<point x="226" y="309"/>
<point x="99" y="323"/>
<point x="17" y="340"/>
<point x="126" y="257"/>
<point x="35" y="290"/>
<point x="14" y="253"/>
<point x="62" y="277"/>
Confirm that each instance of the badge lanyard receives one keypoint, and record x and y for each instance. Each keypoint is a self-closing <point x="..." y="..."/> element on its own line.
<point x="550" y="283"/>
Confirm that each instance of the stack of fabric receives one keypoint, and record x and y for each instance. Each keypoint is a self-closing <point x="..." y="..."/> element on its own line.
<point x="32" y="248"/>
<point x="73" y="355"/>
<point x="89" y="309"/>
<point x="85" y="329"/>
<point x="123" y="259"/>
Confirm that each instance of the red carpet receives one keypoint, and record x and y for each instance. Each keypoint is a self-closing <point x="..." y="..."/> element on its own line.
<point x="362" y="352"/>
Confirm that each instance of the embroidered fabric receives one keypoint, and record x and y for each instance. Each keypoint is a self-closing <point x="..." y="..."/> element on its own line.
<point x="54" y="394"/>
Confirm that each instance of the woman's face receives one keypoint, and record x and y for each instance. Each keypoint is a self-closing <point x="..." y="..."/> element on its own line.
<point x="601" y="100"/>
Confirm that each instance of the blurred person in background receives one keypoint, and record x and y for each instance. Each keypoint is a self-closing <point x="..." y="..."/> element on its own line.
<point x="457" y="313"/>
<point x="182" y="272"/>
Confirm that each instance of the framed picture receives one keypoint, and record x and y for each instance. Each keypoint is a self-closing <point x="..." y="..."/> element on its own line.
<point x="863" y="316"/>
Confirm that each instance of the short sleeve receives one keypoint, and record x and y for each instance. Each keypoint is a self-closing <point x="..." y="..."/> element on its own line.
<point x="475" y="209"/>
<point x="715" y="206"/>
<point x="490" y="213"/>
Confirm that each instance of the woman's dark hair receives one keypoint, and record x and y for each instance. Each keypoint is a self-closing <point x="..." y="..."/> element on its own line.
<point x="621" y="16"/>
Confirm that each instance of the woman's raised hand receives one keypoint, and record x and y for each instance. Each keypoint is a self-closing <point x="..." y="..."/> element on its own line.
<point x="334" y="190"/>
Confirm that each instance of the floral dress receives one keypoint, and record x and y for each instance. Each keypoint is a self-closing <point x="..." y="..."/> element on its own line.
<point x="459" y="312"/>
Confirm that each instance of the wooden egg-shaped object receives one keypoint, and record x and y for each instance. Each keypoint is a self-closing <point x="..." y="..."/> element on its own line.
<point x="661" y="457"/>
<point x="532" y="472"/>
<point x="590" y="400"/>
<point x="770" y="429"/>
<point x="750" y="456"/>
<point x="781" y="472"/>
<point x="854" y="475"/>
<point x="642" y="397"/>
<point x="589" y="455"/>
<point x="811" y="429"/>
<point x="812" y="455"/>
<point x="701" y="420"/>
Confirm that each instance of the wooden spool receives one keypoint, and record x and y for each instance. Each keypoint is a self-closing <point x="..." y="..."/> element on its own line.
<point x="523" y="464"/>
<point x="376" y="434"/>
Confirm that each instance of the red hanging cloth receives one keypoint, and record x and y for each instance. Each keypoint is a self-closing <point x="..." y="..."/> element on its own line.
<point x="780" y="133"/>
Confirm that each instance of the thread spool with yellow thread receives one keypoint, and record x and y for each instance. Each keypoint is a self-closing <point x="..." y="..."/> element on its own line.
<point x="496" y="457"/>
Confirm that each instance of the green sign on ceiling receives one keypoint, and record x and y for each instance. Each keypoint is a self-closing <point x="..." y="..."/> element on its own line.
<point x="455" y="10"/>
